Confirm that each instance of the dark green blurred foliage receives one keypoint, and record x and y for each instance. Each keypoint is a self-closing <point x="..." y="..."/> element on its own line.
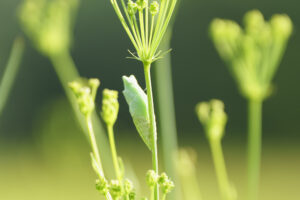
<point x="100" y="50"/>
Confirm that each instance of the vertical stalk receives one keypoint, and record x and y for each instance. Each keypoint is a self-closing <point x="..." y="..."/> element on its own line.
<point x="114" y="152"/>
<point x="95" y="149"/>
<point x="11" y="71"/>
<point x="67" y="72"/>
<point x="254" y="147"/>
<point x="93" y="142"/>
<point x="220" y="167"/>
<point x="164" y="88"/>
<point x="153" y="131"/>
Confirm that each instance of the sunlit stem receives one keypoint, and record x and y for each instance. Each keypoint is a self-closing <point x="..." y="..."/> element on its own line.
<point x="153" y="131"/>
<point x="123" y="22"/>
<point x="147" y="25"/>
<point x="114" y="152"/>
<point x="95" y="151"/>
<point x="67" y="72"/>
<point x="142" y="27"/>
<point x="220" y="167"/>
<point x="93" y="142"/>
<point x="157" y="40"/>
<point x="151" y="30"/>
<point x="130" y="20"/>
<point x="254" y="147"/>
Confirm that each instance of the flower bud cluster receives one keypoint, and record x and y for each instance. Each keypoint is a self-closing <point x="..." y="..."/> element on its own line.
<point x="48" y="24"/>
<point x="110" y="106"/>
<point x="165" y="183"/>
<point x="102" y="186"/>
<point x="162" y="180"/>
<point x="140" y="5"/>
<point x="85" y="93"/>
<point x="253" y="54"/>
<point x="213" y="118"/>
<point x="128" y="189"/>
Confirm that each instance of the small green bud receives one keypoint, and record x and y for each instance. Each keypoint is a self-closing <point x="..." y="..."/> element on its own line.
<point x="128" y="186"/>
<point x="85" y="93"/>
<point x="282" y="26"/>
<point x="132" y="8"/>
<point x="154" y="8"/>
<point x="165" y="183"/>
<point x="254" y="22"/>
<point x="226" y="35"/>
<point x="162" y="178"/>
<point x="132" y="195"/>
<point x="141" y="4"/>
<point x="102" y="186"/>
<point x="110" y="106"/>
<point x="151" y="178"/>
<point x="167" y="187"/>
<point x="212" y="116"/>
<point x="115" y="188"/>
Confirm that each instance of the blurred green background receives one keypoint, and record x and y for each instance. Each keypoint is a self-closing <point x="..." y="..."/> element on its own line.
<point x="43" y="154"/>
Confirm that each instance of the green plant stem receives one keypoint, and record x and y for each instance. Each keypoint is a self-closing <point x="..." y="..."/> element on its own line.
<point x="67" y="72"/>
<point x="254" y="147"/>
<point x="164" y="88"/>
<point x="153" y="131"/>
<point x="95" y="150"/>
<point x="163" y="196"/>
<point x="220" y="167"/>
<point x="94" y="143"/>
<point x="11" y="71"/>
<point x="114" y="152"/>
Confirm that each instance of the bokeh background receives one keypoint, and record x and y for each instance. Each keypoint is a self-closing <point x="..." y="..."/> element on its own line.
<point x="44" y="155"/>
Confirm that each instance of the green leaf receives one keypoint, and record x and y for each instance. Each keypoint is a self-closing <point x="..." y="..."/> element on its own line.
<point x="138" y="108"/>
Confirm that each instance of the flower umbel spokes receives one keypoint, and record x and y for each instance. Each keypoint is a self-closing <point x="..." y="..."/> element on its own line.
<point x="145" y="22"/>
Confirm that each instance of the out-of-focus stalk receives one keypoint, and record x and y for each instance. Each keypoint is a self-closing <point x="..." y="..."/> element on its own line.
<point x="166" y="107"/>
<point x="11" y="71"/>
<point x="254" y="147"/>
<point x="167" y="119"/>
<point x="67" y="72"/>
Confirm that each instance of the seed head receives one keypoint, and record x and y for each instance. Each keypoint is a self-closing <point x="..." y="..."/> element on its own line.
<point x="154" y="8"/>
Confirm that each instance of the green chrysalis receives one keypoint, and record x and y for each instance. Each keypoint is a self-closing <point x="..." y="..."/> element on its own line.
<point x="138" y="108"/>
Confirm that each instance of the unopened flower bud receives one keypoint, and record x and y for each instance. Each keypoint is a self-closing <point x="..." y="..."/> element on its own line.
<point x="212" y="116"/>
<point x="85" y="93"/>
<point x="254" y="22"/>
<point x="165" y="183"/>
<point x="128" y="186"/>
<point x="115" y="189"/>
<point x="110" y="106"/>
<point x="141" y="4"/>
<point x="154" y="8"/>
<point x="151" y="178"/>
<point x="282" y="26"/>
<point x="102" y="186"/>
<point x="167" y="187"/>
<point x="131" y="7"/>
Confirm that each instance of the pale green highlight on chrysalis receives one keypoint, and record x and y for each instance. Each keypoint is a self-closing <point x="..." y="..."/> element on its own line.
<point x="138" y="108"/>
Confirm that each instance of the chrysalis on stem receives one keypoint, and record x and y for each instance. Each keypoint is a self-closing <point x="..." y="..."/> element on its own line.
<point x="138" y="108"/>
